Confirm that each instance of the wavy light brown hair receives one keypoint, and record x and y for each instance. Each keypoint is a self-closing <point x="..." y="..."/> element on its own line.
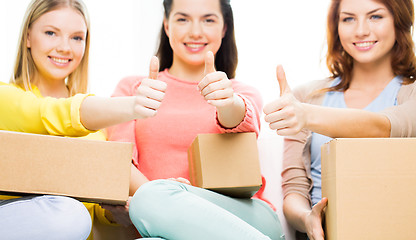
<point x="226" y="58"/>
<point x="403" y="63"/>
<point x="25" y="68"/>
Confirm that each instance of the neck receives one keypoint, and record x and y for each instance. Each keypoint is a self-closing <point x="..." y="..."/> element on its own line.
<point x="52" y="88"/>
<point x="373" y="75"/>
<point x="190" y="73"/>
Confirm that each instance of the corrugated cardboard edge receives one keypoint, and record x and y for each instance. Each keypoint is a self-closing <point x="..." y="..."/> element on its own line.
<point x="329" y="151"/>
<point x="78" y="197"/>
<point x="237" y="192"/>
<point x="194" y="163"/>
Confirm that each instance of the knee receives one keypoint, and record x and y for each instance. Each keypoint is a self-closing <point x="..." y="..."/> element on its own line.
<point x="69" y="219"/>
<point x="151" y="193"/>
<point x="151" y="198"/>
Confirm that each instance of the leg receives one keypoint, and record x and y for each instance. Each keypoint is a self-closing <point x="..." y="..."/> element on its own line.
<point x="173" y="210"/>
<point x="44" y="217"/>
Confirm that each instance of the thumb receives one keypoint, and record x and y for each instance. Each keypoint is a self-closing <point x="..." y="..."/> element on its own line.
<point x="209" y="63"/>
<point x="154" y="68"/>
<point x="321" y="205"/>
<point x="281" y="78"/>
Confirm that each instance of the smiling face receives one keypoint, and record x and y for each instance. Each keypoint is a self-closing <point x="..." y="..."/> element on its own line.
<point x="57" y="43"/>
<point x="366" y="30"/>
<point x="194" y="27"/>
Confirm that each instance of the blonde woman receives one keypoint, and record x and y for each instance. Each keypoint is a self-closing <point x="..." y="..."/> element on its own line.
<point x="47" y="95"/>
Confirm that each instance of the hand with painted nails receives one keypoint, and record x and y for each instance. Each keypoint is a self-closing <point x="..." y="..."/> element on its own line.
<point x="286" y="115"/>
<point x="215" y="87"/>
<point x="150" y="92"/>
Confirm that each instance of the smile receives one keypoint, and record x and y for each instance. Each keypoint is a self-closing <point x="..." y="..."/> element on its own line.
<point x="60" y="60"/>
<point x="365" y="45"/>
<point x="195" y="47"/>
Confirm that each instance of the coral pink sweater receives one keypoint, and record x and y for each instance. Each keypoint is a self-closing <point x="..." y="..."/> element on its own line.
<point x="161" y="142"/>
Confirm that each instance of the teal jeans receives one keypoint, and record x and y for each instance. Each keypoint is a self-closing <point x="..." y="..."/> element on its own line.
<point x="175" y="211"/>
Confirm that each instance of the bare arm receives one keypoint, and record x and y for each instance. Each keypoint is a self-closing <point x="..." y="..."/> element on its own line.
<point x="288" y="116"/>
<point x="232" y="115"/>
<point x="217" y="89"/>
<point x="334" y="122"/>
<point x="98" y="112"/>
<point x="136" y="180"/>
<point x="304" y="219"/>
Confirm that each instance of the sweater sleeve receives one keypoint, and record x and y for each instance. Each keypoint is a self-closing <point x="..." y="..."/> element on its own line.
<point x="295" y="177"/>
<point x="403" y="117"/>
<point x="23" y="111"/>
<point x="254" y="105"/>
<point x="296" y="151"/>
<point x="125" y="132"/>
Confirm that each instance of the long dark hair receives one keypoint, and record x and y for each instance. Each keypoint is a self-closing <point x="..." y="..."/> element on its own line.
<point x="403" y="62"/>
<point x="226" y="58"/>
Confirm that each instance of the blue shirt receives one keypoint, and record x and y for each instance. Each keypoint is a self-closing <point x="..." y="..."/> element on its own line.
<point x="387" y="98"/>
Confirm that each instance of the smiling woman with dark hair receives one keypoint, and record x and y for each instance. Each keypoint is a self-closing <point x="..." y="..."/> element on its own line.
<point x="198" y="59"/>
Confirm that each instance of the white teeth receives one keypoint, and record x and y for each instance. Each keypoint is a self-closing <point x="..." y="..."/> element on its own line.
<point x="364" y="44"/>
<point x="194" y="45"/>
<point x="60" y="60"/>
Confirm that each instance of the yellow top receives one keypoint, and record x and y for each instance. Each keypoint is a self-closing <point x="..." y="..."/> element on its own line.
<point x="30" y="112"/>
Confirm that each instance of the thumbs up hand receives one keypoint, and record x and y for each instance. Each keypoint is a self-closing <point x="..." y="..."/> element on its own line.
<point x="150" y="92"/>
<point x="215" y="87"/>
<point x="286" y="114"/>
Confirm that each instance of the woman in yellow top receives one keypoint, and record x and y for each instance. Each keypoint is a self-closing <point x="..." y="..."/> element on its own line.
<point x="47" y="96"/>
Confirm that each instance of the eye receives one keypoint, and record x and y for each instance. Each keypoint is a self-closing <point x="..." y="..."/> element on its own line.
<point x="376" y="17"/>
<point x="181" y="20"/>
<point x="78" y="38"/>
<point x="347" y="19"/>
<point x="50" y="33"/>
<point x="210" y="20"/>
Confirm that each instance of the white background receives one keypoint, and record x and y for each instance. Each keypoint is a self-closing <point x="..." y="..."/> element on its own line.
<point x="125" y="32"/>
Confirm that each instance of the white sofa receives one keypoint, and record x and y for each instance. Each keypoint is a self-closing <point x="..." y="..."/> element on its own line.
<point x="270" y="153"/>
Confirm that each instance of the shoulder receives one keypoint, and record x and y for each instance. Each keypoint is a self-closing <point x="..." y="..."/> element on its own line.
<point x="406" y="92"/>
<point x="309" y="92"/>
<point x="10" y="88"/>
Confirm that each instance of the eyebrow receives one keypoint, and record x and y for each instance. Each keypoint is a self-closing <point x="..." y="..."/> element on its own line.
<point x="58" y="29"/>
<point x="187" y="15"/>
<point x="370" y="12"/>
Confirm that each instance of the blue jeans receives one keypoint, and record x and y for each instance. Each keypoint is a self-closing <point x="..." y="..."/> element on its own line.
<point x="44" y="217"/>
<point x="172" y="210"/>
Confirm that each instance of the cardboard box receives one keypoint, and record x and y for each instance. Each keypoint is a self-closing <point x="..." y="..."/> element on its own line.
<point x="89" y="170"/>
<point x="226" y="163"/>
<point x="371" y="188"/>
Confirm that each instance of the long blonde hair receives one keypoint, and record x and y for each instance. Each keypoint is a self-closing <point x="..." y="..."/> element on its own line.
<point x="25" y="68"/>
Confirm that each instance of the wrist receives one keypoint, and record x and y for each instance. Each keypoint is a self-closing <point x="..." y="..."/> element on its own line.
<point x="304" y="218"/>
<point x="310" y="119"/>
<point x="231" y="115"/>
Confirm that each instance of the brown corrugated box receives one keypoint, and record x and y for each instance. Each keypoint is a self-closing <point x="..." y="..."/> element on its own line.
<point x="226" y="163"/>
<point x="371" y="188"/>
<point x="89" y="170"/>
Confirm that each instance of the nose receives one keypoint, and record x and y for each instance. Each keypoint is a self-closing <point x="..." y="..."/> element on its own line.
<point x="64" y="45"/>
<point x="196" y="30"/>
<point x="363" y="28"/>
